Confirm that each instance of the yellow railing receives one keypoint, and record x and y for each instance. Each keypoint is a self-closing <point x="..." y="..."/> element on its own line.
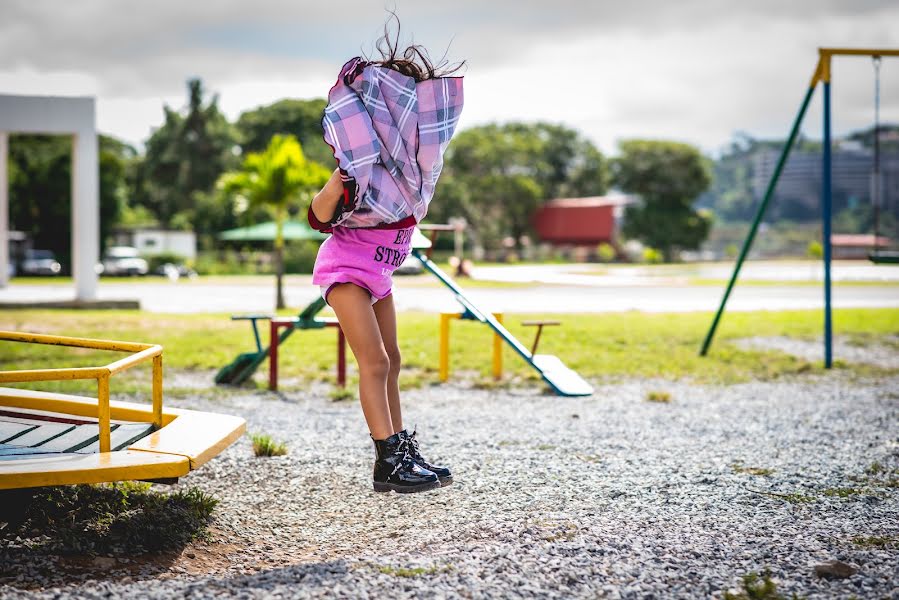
<point x="141" y="352"/>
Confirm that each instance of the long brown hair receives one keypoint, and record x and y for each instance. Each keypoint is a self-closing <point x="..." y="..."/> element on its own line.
<point x="414" y="61"/>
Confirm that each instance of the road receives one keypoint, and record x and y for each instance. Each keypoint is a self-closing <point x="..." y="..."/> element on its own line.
<point x="522" y="289"/>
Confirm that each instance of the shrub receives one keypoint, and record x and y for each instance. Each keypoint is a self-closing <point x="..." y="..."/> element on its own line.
<point x="124" y="518"/>
<point x="299" y="257"/>
<point x="605" y="252"/>
<point x="652" y="256"/>
<point x="154" y="261"/>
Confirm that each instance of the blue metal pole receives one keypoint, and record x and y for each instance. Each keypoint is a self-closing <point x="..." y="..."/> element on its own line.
<point x="826" y="206"/>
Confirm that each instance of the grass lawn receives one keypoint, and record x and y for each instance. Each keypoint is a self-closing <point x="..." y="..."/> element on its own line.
<point x="605" y="347"/>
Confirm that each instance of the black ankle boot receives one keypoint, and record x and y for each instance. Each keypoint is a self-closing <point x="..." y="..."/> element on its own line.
<point x="395" y="470"/>
<point x="443" y="473"/>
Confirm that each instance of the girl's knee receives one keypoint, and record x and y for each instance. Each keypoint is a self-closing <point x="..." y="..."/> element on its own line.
<point x="395" y="362"/>
<point x="376" y="364"/>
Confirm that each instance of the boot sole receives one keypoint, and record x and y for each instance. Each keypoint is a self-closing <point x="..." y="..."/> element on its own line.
<point x="405" y="489"/>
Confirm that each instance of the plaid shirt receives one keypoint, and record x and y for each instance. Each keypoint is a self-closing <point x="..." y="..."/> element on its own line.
<point x="388" y="133"/>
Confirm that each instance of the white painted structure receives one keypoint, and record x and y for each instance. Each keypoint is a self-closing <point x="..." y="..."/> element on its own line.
<point x="59" y="116"/>
<point x="156" y="241"/>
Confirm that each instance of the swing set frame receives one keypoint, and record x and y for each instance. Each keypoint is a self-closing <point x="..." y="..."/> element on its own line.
<point x="821" y="75"/>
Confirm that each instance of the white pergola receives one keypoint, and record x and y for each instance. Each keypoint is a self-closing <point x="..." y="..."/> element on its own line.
<point x="59" y="116"/>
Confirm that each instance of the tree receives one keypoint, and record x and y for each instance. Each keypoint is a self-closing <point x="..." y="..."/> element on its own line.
<point x="668" y="177"/>
<point x="497" y="176"/>
<point x="40" y="189"/>
<point x="187" y="154"/>
<point x="277" y="179"/>
<point x="301" y="118"/>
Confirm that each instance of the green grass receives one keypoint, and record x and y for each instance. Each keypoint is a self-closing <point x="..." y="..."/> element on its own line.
<point x="660" y="396"/>
<point x="265" y="445"/>
<point x="757" y="587"/>
<point x="119" y="519"/>
<point x="339" y="394"/>
<point x="607" y="347"/>
<point x="842" y="492"/>
<point x="875" y="541"/>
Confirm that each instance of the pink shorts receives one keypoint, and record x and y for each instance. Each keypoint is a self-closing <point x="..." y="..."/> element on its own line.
<point x="365" y="257"/>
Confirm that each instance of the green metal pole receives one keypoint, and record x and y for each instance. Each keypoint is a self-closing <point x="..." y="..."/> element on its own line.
<point x="826" y="209"/>
<point x="747" y="243"/>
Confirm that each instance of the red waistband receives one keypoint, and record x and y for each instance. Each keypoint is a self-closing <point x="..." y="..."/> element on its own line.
<point x="326" y="227"/>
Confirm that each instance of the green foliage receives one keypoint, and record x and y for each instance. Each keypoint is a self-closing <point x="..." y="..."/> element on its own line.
<point x="652" y="256"/>
<point x="275" y="180"/>
<point x="757" y="587"/>
<point x="40" y="194"/>
<point x="605" y="252"/>
<point x="265" y="445"/>
<point x="184" y="157"/>
<point x="340" y="394"/>
<point x="154" y="261"/>
<point x="229" y="262"/>
<point x="299" y="256"/>
<point x="876" y="541"/>
<point x="498" y="175"/>
<point x="668" y="177"/>
<point x="660" y="396"/>
<point x="125" y="518"/>
<point x="300" y="118"/>
<point x="815" y="250"/>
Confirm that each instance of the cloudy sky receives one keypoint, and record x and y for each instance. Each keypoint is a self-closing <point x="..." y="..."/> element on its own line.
<point x="691" y="70"/>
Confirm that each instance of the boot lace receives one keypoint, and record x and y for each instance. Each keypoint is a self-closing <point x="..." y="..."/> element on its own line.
<point x="407" y="450"/>
<point x="412" y="444"/>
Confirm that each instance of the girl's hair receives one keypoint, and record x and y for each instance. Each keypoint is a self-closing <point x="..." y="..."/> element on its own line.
<point x="414" y="61"/>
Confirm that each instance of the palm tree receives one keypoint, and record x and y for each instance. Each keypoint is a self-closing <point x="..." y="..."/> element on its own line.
<point x="275" y="179"/>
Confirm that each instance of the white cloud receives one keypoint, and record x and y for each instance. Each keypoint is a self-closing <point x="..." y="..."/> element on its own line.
<point x="696" y="70"/>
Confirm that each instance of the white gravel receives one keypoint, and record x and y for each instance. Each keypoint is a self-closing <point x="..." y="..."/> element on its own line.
<point x="607" y="496"/>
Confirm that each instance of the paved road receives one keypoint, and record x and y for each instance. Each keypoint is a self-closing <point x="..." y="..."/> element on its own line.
<point x="258" y="295"/>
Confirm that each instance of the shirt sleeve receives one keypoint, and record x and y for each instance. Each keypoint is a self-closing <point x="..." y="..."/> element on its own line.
<point x="315" y="223"/>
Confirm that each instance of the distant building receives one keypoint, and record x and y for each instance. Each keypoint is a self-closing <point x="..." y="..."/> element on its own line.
<point x="150" y="241"/>
<point x="581" y="222"/>
<point x="850" y="246"/>
<point x="852" y="171"/>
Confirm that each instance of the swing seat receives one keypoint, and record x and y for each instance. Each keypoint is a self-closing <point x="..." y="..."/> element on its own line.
<point x="884" y="257"/>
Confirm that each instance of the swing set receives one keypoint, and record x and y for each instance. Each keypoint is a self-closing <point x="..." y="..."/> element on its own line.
<point x="821" y="75"/>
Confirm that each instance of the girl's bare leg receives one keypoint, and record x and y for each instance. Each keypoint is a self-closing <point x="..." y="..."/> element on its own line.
<point x="385" y="313"/>
<point x="353" y="307"/>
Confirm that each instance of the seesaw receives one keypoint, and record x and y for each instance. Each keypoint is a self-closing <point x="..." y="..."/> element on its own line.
<point x="564" y="381"/>
<point x="560" y="378"/>
<point x="60" y="439"/>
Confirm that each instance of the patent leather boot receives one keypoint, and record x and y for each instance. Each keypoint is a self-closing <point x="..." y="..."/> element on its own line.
<point x="396" y="471"/>
<point x="443" y="473"/>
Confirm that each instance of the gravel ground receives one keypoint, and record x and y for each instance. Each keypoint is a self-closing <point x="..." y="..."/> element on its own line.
<point x="884" y="356"/>
<point x="608" y="496"/>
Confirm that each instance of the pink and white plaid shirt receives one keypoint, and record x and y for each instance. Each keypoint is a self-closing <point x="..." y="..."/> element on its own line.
<point x="388" y="133"/>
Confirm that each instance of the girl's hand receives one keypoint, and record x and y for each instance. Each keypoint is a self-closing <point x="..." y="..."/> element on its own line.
<point x="325" y="202"/>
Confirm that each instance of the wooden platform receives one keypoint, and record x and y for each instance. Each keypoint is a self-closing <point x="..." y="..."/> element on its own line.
<point x="52" y="439"/>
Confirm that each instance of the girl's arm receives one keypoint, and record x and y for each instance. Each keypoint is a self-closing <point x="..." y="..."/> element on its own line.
<point x="325" y="202"/>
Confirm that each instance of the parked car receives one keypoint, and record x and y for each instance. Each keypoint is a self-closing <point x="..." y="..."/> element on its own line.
<point x="40" y="262"/>
<point x="123" y="260"/>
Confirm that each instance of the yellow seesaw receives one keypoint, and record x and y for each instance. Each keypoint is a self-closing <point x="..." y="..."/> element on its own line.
<point x="49" y="438"/>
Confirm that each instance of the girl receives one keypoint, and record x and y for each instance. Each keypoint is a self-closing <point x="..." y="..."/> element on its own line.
<point x="388" y="123"/>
